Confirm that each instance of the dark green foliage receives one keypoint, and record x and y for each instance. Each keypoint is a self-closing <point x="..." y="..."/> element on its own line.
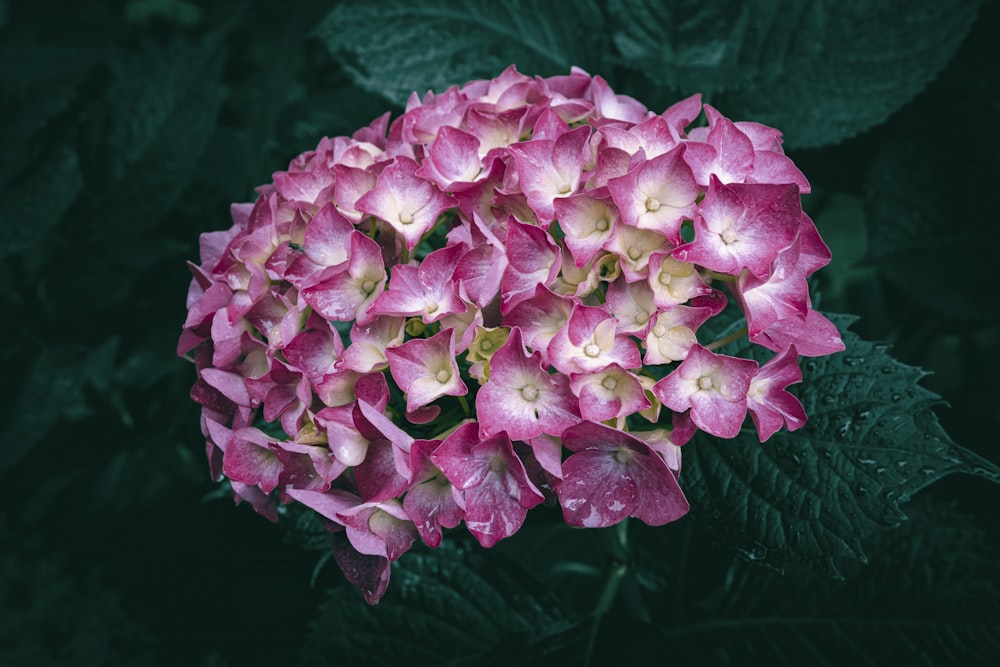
<point x="395" y="48"/>
<point x="128" y="128"/>
<point x="56" y="617"/>
<point x="820" y="71"/>
<point x="455" y="606"/>
<point x="812" y="495"/>
<point x="926" y="223"/>
<point x="927" y="596"/>
<point x="55" y="388"/>
<point x="163" y="104"/>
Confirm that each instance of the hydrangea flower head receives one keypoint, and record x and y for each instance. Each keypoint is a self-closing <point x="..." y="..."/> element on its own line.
<point x="500" y="300"/>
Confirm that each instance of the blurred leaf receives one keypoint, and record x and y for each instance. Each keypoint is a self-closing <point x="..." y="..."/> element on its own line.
<point x="38" y="82"/>
<point x="54" y="389"/>
<point x="812" y="495"/>
<point x="163" y="106"/>
<point x="397" y="47"/>
<point x="925" y="235"/>
<point x="325" y="114"/>
<point x="695" y="46"/>
<point x="305" y="528"/>
<point x="820" y="71"/>
<point x="56" y="617"/>
<point x="31" y="211"/>
<point x="451" y="606"/>
<point x="928" y="597"/>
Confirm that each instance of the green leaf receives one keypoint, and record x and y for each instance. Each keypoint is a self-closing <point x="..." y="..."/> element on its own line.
<point x="920" y="228"/>
<point x="38" y="83"/>
<point x="928" y="597"/>
<point x="62" y="614"/>
<point x="457" y="605"/>
<point x="163" y="105"/>
<point x="819" y="71"/>
<point x="305" y="528"/>
<point x="397" y="47"/>
<point x="31" y="211"/>
<point x="811" y="496"/>
<point x="697" y="46"/>
<point x="54" y="389"/>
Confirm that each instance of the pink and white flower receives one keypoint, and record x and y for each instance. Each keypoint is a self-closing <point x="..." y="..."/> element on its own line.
<point x="529" y="238"/>
<point x="425" y="369"/>
<point x="613" y="475"/>
<point x="521" y="398"/>
<point x="496" y="488"/>
<point x="713" y="386"/>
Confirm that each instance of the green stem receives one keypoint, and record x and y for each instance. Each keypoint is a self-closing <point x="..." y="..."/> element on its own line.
<point x="616" y="572"/>
<point x="731" y="338"/>
<point x="616" y="546"/>
<point x="465" y="405"/>
<point x="724" y="277"/>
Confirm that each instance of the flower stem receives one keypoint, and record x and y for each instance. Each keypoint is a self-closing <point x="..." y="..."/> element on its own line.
<point x="724" y="277"/>
<point x="722" y="342"/>
<point x="617" y="548"/>
<point x="616" y="572"/>
<point x="465" y="405"/>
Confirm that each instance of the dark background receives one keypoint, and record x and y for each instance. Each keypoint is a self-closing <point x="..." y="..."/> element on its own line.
<point x="127" y="129"/>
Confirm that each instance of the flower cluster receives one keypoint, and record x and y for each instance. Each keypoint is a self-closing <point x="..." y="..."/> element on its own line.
<point x="494" y="302"/>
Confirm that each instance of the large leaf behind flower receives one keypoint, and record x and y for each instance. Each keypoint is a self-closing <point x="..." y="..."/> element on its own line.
<point x="396" y="47"/>
<point x="921" y="228"/>
<point x="450" y="606"/>
<point x="812" y="495"/>
<point x="927" y="597"/>
<point x="820" y="71"/>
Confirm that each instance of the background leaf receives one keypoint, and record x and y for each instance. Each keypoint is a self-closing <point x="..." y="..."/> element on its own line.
<point x="55" y="389"/>
<point x="397" y="47"/>
<point x="923" y="226"/>
<point x="820" y="71"/>
<point x="474" y="609"/>
<point x="33" y="208"/>
<point x="163" y="108"/>
<point x="811" y="496"/>
<point x="928" y="596"/>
